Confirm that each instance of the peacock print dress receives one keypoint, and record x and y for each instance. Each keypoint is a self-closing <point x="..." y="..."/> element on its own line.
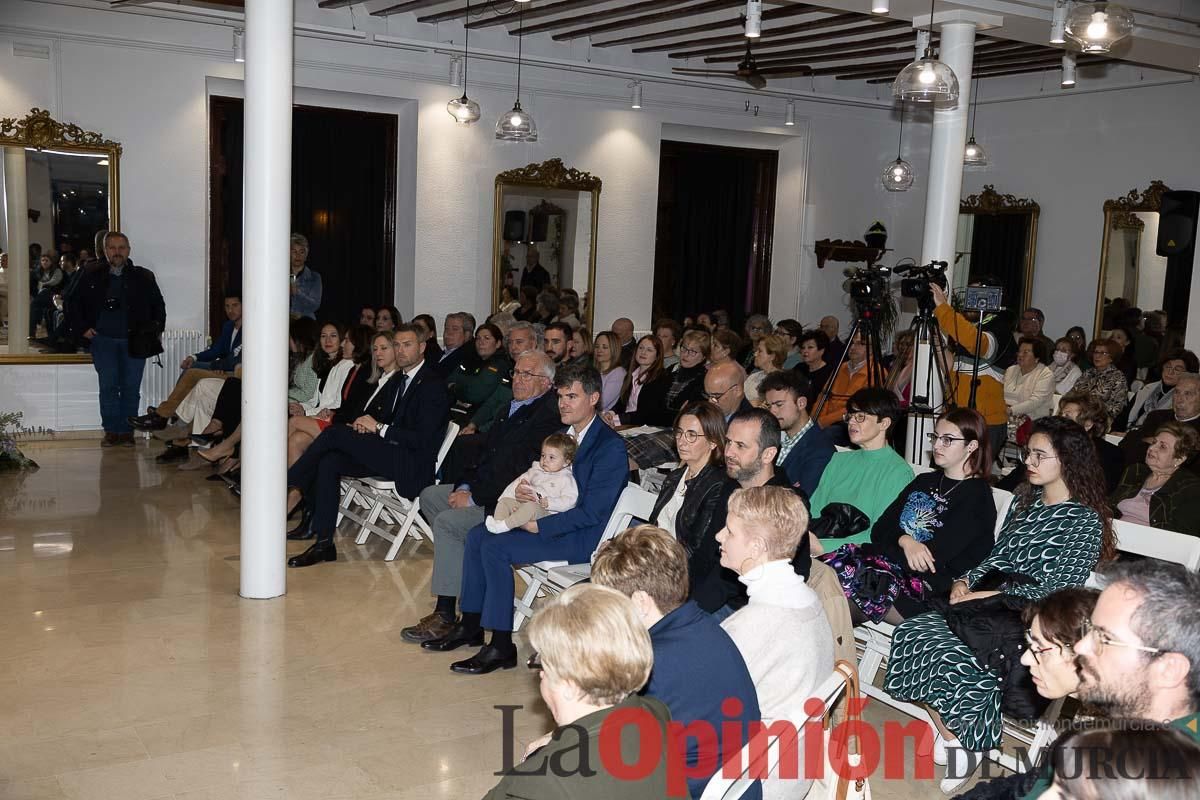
<point x="1058" y="547"/>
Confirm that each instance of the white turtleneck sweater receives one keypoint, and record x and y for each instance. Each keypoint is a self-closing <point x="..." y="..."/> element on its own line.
<point x="785" y="639"/>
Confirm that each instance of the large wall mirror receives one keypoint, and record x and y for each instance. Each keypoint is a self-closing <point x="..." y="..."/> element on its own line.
<point x="1131" y="272"/>
<point x="60" y="187"/>
<point x="997" y="239"/>
<point x="544" y="234"/>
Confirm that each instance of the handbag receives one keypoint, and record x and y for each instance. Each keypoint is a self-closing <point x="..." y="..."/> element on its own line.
<point x="839" y="520"/>
<point x="832" y="786"/>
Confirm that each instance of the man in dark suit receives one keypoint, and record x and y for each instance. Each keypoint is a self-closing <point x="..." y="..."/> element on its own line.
<point x="486" y="596"/>
<point x="397" y="438"/>
<point x="458" y="331"/>
<point x="535" y="274"/>
<point x="804" y="448"/>
<point x="489" y="461"/>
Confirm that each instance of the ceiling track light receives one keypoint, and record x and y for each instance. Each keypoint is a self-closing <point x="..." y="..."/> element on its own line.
<point x="1096" y="27"/>
<point x="1068" y="70"/>
<point x="464" y="110"/>
<point x="927" y="79"/>
<point x="239" y="45"/>
<point x="753" y="19"/>
<point x="635" y="94"/>
<point x="898" y="175"/>
<point x="1058" y="22"/>
<point x="789" y="113"/>
<point x="880" y="6"/>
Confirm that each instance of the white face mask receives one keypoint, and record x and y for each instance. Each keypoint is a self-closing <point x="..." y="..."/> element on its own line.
<point x="1061" y="357"/>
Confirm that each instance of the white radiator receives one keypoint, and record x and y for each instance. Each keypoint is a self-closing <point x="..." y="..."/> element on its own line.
<point x="163" y="370"/>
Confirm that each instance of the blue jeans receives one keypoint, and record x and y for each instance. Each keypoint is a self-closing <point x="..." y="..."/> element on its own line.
<point x="120" y="378"/>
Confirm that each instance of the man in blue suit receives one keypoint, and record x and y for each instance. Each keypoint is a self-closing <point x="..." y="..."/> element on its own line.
<point x="486" y="598"/>
<point x="805" y="449"/>
<point x="396" y="439"/>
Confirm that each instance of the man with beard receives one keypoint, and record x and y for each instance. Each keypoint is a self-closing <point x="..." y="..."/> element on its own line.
<point x="1139" y="657"/>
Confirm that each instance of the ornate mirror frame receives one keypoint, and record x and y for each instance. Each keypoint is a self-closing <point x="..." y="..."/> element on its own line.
<point x="552" y="174"/>
<point x="1120" y="213"/>
<point x="41" y="131"/>
<point x="989" y="202"/>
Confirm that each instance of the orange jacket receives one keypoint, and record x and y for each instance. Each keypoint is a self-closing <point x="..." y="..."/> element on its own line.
<point x="989" y="399"/>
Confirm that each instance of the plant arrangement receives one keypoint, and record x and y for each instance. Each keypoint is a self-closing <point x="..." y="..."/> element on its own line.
<point x="11" y="457"/>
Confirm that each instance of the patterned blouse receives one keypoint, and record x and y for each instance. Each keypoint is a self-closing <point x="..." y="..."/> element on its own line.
<point x="1109" y="385"/>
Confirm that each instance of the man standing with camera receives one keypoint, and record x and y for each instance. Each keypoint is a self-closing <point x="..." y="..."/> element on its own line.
<point x="120" y="311"/>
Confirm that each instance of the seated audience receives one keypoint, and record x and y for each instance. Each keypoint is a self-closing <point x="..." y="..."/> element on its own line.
<point x="527" y="296"/>
<point x="1057" y="530"/>
<point x="387" y="319"/>
<point x="1157" y="395"/>
<point x="594" y="654"/>
<point x="834" y="347"/>
<point x="1104" y="379"/>
<point x="769" y="355"/>
<point x="487" y="462"/>
<point x="458" y="339"/>
<point x="1154" y="762"/>
<point x="551" y="481"/>
<point x="724" y="385"/>
<point x="487" y="582"/>
<point x="941" y="526"/>
<point x="1029" y="383"/>
<point x="757" y="326"/>
<point x="1088" y="411"/>
<point x="813" y="347"/>
<point x="900" y="367"/>
<point x="397" y="439"/>
<point x="804" y="448"/>
<point x="47" y="280"/>
<point x="568" y="310"/>
<point x="1063" y="367"/>
<point x="579" y="352"/>
<point x="697" y="667"/>
<point x="623" y="328"/>
<point x="1157" y="492"/>
<point x="319" y="413"/>
<point x="308" y="353"/>
<point x="606" y="355"/>
<point x="480" y="372"/>
<point x="508" y="302"/>
<point x="724" y="348"/>
<point x="868" y="478"/>
<point x="1126" y="359"/>
<point x="791" y="331"/>
<point x="556" y="341"/>
<point x="1030" y="326"/>
<point x="643" y="398"/>
<point x="366" y="316"/>
<point x="782" y="632"/>
<point x="669" y="333"/>
<point x="1077" y="335"/>
<point x="850" y="378"/>
<point x="427" y="327"/>
<point x="691" y="503"/>
<point x="522" y="337"/>
<point x="1185" y="408"/>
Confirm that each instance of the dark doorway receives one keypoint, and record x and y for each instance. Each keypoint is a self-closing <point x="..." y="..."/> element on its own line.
<point x="716" y="217"/>
<point x="343" y="200"/>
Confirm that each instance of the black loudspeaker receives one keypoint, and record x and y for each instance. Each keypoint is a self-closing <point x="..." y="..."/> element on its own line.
<point x="514" y="226"/>
<point x="1177" y="222"/>
<point x="538" y="226"/>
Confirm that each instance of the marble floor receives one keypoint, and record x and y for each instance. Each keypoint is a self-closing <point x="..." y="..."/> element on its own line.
<point x="131" y="670"/>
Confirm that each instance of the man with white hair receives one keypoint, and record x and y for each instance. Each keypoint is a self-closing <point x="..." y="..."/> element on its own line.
<point x="1185" y="409"/>
<point x="306" y="287"/>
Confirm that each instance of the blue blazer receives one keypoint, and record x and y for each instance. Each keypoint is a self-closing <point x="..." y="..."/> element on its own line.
<point x="223" y="355"/>
<point x="806" y="462"/>
<point x="601" y="468"/>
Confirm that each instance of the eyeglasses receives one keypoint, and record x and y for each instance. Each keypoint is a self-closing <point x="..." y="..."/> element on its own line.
<point x="524" y="373"/>
<point x="945" y="439"/>
<point x="690" y="351"/>
<point x="688" y="436"/>
<point x="1103" y="640"/>
<point x="1172" y="369"/>
<point x="1036" y="651"/>
<point x="1035" y="457"/>
<point x="1101" y="354"/>
<point x="715" y="397"/>
<point x="856" y="416"/>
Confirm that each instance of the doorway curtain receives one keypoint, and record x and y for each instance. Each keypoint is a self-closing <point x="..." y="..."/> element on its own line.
<point x="998" y="251"/>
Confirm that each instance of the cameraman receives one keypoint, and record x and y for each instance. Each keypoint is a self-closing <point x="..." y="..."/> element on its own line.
<point x="962" y="330"/>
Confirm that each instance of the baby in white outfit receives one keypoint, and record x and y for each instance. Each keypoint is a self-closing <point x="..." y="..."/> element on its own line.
<point x="550" y="478"/>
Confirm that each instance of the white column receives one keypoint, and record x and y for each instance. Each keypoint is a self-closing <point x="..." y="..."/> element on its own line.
<point x="265" y="250"/>
<point x="16" y="205"/>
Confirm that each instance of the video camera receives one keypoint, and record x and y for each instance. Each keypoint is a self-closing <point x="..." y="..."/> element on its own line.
<point x="916" y="285"/>
<point x="867" y="286"/>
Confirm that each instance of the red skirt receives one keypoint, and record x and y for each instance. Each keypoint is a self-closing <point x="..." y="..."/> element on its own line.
<point x="322" y="423"/>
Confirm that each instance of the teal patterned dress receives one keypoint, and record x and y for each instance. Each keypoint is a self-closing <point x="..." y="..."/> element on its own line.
<point x="1058" y="546"/>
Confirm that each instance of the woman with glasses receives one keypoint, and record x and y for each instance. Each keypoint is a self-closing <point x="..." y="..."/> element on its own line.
<point x="939" y="527"/>
<point x="1088" y="411"/>
<point x="1159" y="394"/>
<point x="791" y="331"/>
<point x="686" y="386"/>
<point x="689" y="503"/>
<point x="1157" y="492"/>
<point x="606" y="355"/>
<point x="1057" y="530"/>
<point x="1104" y="379"/>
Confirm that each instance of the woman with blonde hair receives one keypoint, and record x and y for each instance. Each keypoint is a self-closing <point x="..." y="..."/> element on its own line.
<point x="593" y="655"/>
<point x="769" y="355"/>
<point x="606" y="355"/>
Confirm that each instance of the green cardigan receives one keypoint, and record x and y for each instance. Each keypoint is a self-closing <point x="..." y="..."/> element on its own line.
<point x="1174" y="507"/>
<point x="869" y="480"/>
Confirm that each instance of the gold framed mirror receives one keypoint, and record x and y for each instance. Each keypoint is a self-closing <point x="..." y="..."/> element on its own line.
<point x="544" y="233"/>
<point x="997" y="237"/>
<point x="62" y="186"/>
<point x="1129" y="267"/>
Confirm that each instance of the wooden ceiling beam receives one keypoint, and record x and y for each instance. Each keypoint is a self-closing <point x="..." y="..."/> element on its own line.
<point x="816" y="51"/>
<point x="1011" y="68"/>
<point x="335" y="3"/>
<point x="538" y="11"/>
<point x="819" y="59"/>
<point x="777" y="38"/>
<point x="985" y="52"/>
<point x="404" y="7"/>
<point x="673" y="11"/>
<point x="735" y="22"/>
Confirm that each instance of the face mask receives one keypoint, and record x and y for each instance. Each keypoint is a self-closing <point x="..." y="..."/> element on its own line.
<point x="1061" y="357"/>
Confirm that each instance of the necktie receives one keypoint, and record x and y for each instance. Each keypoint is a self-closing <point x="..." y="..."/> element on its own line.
<point x="403" y="378"/>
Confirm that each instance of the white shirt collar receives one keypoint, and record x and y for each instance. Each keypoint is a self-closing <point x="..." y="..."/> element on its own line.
<point x="580" y="436"/>
<point x="414" y="370"/>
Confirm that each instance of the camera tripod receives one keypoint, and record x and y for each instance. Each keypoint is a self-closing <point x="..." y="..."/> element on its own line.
<point x="866" y="326"/>
<point x="931" y="389"/>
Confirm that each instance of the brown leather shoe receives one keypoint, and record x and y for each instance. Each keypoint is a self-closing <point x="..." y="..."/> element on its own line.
<point x="109" y="440"/>
<point x="429" y="628"/>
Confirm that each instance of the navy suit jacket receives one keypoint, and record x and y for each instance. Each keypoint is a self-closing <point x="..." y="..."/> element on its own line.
<point x="416" y="428"/>
<point x="601" y="468"/>
<point x="808" y="458"/>
<point x="221" y="355"/>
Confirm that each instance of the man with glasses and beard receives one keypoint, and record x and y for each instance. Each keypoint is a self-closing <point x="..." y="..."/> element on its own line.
<point x="1139" y="656"/>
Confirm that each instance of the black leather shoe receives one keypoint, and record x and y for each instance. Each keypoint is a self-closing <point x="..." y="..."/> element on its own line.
<point x="456" y="638"/>
<point x="489" y="659"/>
<point x="148" y="422"/>
<point x="304" y="530"/>
<point x="316" y="554"/>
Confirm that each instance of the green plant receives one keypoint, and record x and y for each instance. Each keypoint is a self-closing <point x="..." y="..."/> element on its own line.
<point x="11" y="431"/>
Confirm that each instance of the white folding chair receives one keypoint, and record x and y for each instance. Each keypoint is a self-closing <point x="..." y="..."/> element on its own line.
<point x="547" y="578"/>
<point x="1141" y="540"/>
<point x="1003" y="500"/>
<point x="383" y="503"/>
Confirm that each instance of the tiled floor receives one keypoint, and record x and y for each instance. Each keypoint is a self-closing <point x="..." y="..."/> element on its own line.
<point x="131" y="670"/>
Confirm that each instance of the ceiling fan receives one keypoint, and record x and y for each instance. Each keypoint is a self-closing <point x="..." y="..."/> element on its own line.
<point x="747" y="71"/>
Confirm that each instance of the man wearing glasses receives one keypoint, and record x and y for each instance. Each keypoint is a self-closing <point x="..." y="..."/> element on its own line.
<point x="724" y="385"/>
<point x="485" y="464"/>
<point x="1139" y="656"/>
<point x="1030" y="326"/>
<point x="1185" y="409"/>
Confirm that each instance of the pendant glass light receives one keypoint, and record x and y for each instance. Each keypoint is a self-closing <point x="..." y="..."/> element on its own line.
<point x="516" y="125"/>
<point x="898" y="175"/>
<point x="464" y="110"/>
<point x="1096" y="27"/>
<point x="926" y="80"/>
<point x="973" y="154"/>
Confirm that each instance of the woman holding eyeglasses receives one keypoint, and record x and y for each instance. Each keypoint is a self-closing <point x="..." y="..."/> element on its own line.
<point x="689" y="503"/>
<point x="1104" y="379"/>
<point x="1157" y="492"/>
<point x="1057" y="530"/>
<point x="938" y="528"/>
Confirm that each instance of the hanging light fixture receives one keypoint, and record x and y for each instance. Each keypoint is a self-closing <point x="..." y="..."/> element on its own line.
<point x="898" y="175"/>
<point x="1068" y="70"/>
<point x="926" y="80"/>
<point x="464" y="110"/>
<point x="635" y="95"/>
<point x="1096" y="27"/>
<point x="973" y="154"/>
<point x="753" y="19"/>
<point x="1058" y="22"/>
<point x="239" y="45"/>
<point x="789" y="113"/>
<point x="516" y="125"/>
<point x="880" y="6"/>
